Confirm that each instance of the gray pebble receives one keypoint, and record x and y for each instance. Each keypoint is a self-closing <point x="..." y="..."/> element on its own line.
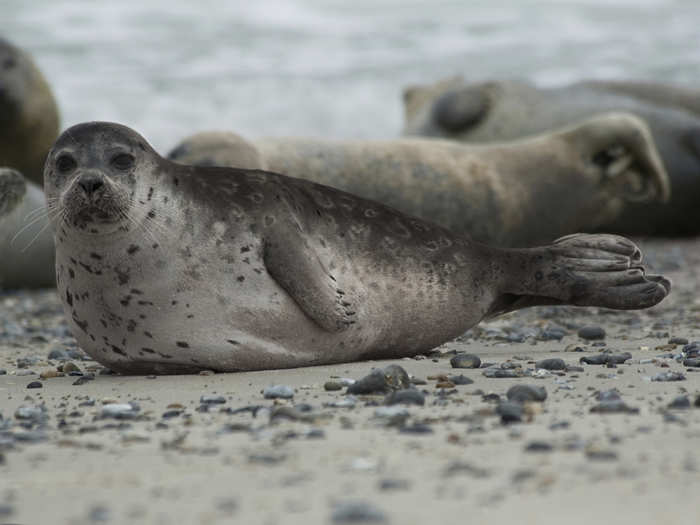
<point x="678" y="341"/>
<point x="614" y="407"/>
<point x="212" y="400"/>
<point x="465" y="361"/>
<point x="357" y="512"/>
<point x="394" y="484"/>
<point x="510" y="412"/>
<point x="669" y="376"/>
<point x="409" y="396"/>
<point x="539" y="446"/>
<point x="58" y="354"/>
<point x="601" y="455"/>
<point x="120" y="411"/>
<point x="551" y="364"/>
<point x="381" y="381"/>
<point x="331" y="386"/>
<point x="522" y="393"/>
<point x="693" y="362"/>
<point x="680" y="402"/>
<point x="6" y="510"/>
<point x="591" y="332"/>
<point x="417" y="428"/>
<point x="35" y="384"/>
<point x="3" y="371"/>
<point x="460" y="380"/>
<point x="500" y="373"/>
<point x="605" y="359"/>
<point x="278" y="392"/>
<point x="348" y="402"/>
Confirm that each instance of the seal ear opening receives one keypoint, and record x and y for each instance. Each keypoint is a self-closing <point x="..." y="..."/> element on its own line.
<point x="457" y="111"/>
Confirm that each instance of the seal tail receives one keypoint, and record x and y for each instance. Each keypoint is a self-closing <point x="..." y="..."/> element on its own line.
<point x="582" y="270"/>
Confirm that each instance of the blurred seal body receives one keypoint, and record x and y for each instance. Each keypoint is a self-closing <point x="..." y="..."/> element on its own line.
<point x="28" y="113"/>
<point x="169" y="268"/>
<point x="508" y="110"/>
<point x="510" y="194"/>
<point x="26" y="241"/>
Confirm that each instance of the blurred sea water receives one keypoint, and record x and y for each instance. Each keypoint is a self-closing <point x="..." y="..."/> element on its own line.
<point x="332" y="68"/>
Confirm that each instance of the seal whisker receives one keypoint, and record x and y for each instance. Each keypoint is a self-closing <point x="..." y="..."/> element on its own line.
<point x="27" y="226"/>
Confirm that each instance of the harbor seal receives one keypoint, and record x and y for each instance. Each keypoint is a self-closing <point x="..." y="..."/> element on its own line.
<point x="510" y="194"/>
<point x="28" y="113"/>
<point x="166" y="268"/>
<point x="26" y="242"/>
<point x="508" y="110"/>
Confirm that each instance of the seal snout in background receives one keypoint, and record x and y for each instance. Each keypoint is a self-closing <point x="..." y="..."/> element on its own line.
<point x="511" y="109"/>
<point x="518" y="193"/>
<point x="28" y="113"/>
<point x="185" y="268"/>
<point x="26" y="244"/>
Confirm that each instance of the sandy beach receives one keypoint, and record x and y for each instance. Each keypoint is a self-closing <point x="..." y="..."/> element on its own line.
<point x="101" y="448"/>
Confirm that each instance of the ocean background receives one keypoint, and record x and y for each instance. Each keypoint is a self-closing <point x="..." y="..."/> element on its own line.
<point x="328" y="68"/>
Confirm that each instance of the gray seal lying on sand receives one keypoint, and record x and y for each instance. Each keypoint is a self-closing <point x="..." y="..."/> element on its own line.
<point x="26" y="241"/>
<point x="512" y="194"/>
<point x="507" y="110"/>
<point x="28" y="113"/>
<point x="169" y="268"/>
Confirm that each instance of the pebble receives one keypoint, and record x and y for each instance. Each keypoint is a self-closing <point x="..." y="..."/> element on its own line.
<point x="35" y="384"/>
<point x="614" y="407"/>
<point x="409" y="396"/>
<point x="669" y="376"/>
<point x="599" y="454"/>
<point x="83" y="379"/>
<point x="357" y="512"/>
<point x="290" y="413"/>
<point x="49" y="374"/>
<point x="522" y="393"/>
<point x="6" y="510"/>
<point x="500" y="373"/>
<point x="604" y="359"/>
<point x="417" y="428"/>
<point x="278" y="392"/>
<point x="692" y="349"/>
<point x="678" y="341"/>
<point x="34" y="414"/>
<point x="120" y="410"/>
<point x="591" y="333"/>
<point x="693" y="362"/>
<point x="551" y="364"/>
<point x="3" y="372"/>
<point x="510" y="412"/>
<point x="680" y="402"/>
<point x="331" y="386"/>
<point x="212" y="400"/>
<point x="381" y="381"/>
<point x="392" y="412"/>
<point x="394" y="484"/>
<point x="348" y="402"/>
<point x="70" y="367"/>
<point x="460" y="380"/>
<point x="465" y="361"/>
<point x="539" y="446"/>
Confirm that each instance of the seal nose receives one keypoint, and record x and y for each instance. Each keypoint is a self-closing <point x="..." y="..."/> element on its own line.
<point x="90" y="184"/>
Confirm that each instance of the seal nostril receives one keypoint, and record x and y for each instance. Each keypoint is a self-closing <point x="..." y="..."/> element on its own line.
<point x="90" y="184"/>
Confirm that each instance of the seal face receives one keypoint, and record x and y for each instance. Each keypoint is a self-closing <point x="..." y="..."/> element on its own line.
<point x="28" y="113"/>
<point x="168" y="268"/>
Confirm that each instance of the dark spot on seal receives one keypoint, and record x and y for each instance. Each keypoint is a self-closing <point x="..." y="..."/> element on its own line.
<point x="96" y="256"/>
<point x="131" y="250"/>
<point x="166" y="356"/>
<point x="86" y="267"/>
<point x="176" y="181"/>
<point x="125" y="301"/>
<point x="145" y="303"/>
<point x="131" y="325"/>
<point x="155" y="246"/>
<point x="122" y="275"/>
<point x="117" y="350"/>
<point x="173" y="303"/>
<point x="149" y="350"/>
<point x="81" y="324"/>
<point x="148" y="334"/>
<point x="151" y="214"/>
<point x="71" y="273"/>
<point x="245" y="249"/>
<point x="136" y="291"/>
<point x="150" y="194"/>
<point x="104" y="323"/>
<point x="69" y="297"/>
<point x="538" y="275"/>
<point x="240" y="278"/>
<point x="232" y="341"/>
<point x="182" y="344"/>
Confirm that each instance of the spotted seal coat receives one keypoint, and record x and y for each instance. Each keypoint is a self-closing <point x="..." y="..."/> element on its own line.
<point x="166" y="268"/>
<point x="28" y="113"/>
<point x="510" y="194"/>
<point x="512" y="109"/>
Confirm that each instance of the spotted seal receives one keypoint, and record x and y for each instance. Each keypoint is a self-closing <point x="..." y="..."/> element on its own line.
<point x="507" y="110"/>
<point x="26" y="242"/>
<point x="28" y="113"/>
<point x="166" y="268"/>
<point x="510" y="194"/>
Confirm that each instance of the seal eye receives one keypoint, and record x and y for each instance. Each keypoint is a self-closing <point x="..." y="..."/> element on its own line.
<point x="65" y="164"/>
<point x="122" y="161"/>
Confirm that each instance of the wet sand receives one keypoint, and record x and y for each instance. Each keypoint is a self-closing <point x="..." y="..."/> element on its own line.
<point x="336" y="458"/>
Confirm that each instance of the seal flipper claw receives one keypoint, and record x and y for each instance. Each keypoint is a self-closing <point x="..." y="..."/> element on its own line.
<point x="297" y="268"/>
<point x="584" y="270"/>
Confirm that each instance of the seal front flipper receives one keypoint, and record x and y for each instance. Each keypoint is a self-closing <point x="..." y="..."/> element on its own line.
<point x="298" y="269"/>
<point x="583" y="270"/>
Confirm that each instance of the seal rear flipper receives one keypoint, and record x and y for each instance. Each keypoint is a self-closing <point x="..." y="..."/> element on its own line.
<point x="298" y="269"/>
<point x="585" y="270"/>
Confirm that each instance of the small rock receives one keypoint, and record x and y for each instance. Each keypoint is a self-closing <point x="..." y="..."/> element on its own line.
<point x="34" y="414"/>
<point x="460" y="380"/>
<point x="680" y="402"/>
<point x="278" y="392"/>
<point x="500" y="373"/>
<point x="539" y="446"/>
<point x="669" y="376"/>
<point x="3" y="372"/>
<point x="394" y="484"/>
<point x="678" y="341"/>
<point x="58" y="354"/>
<point x="331" y="386"/>
<point x="290" y="413"/>
<point x="348" y="402"/>
<point x="417" y="428"/>
<point x="409" y="396"/>
<point x="598" y="454"/>
<point x="84" y="379"/>
<point x="614" y="407"/>
<point x="693" y="362"/>
<point x="49" y="374"/>
<point x="357" y="512"/>
<point x="381" y="381"/>
<point x="510" y="412"/>
<point x="70" y="367"/>
<point x="120" y="410"/>
<point x="591" y="333"/>
<point x="35" y="384"/>
<point x="551" y="364"/>
<point x="465" y="361"/>
<point x="6" y="510"/>
<point x="212" y="400"/>
<point x="522" y="393"/>
<point x="604" y="359"/>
